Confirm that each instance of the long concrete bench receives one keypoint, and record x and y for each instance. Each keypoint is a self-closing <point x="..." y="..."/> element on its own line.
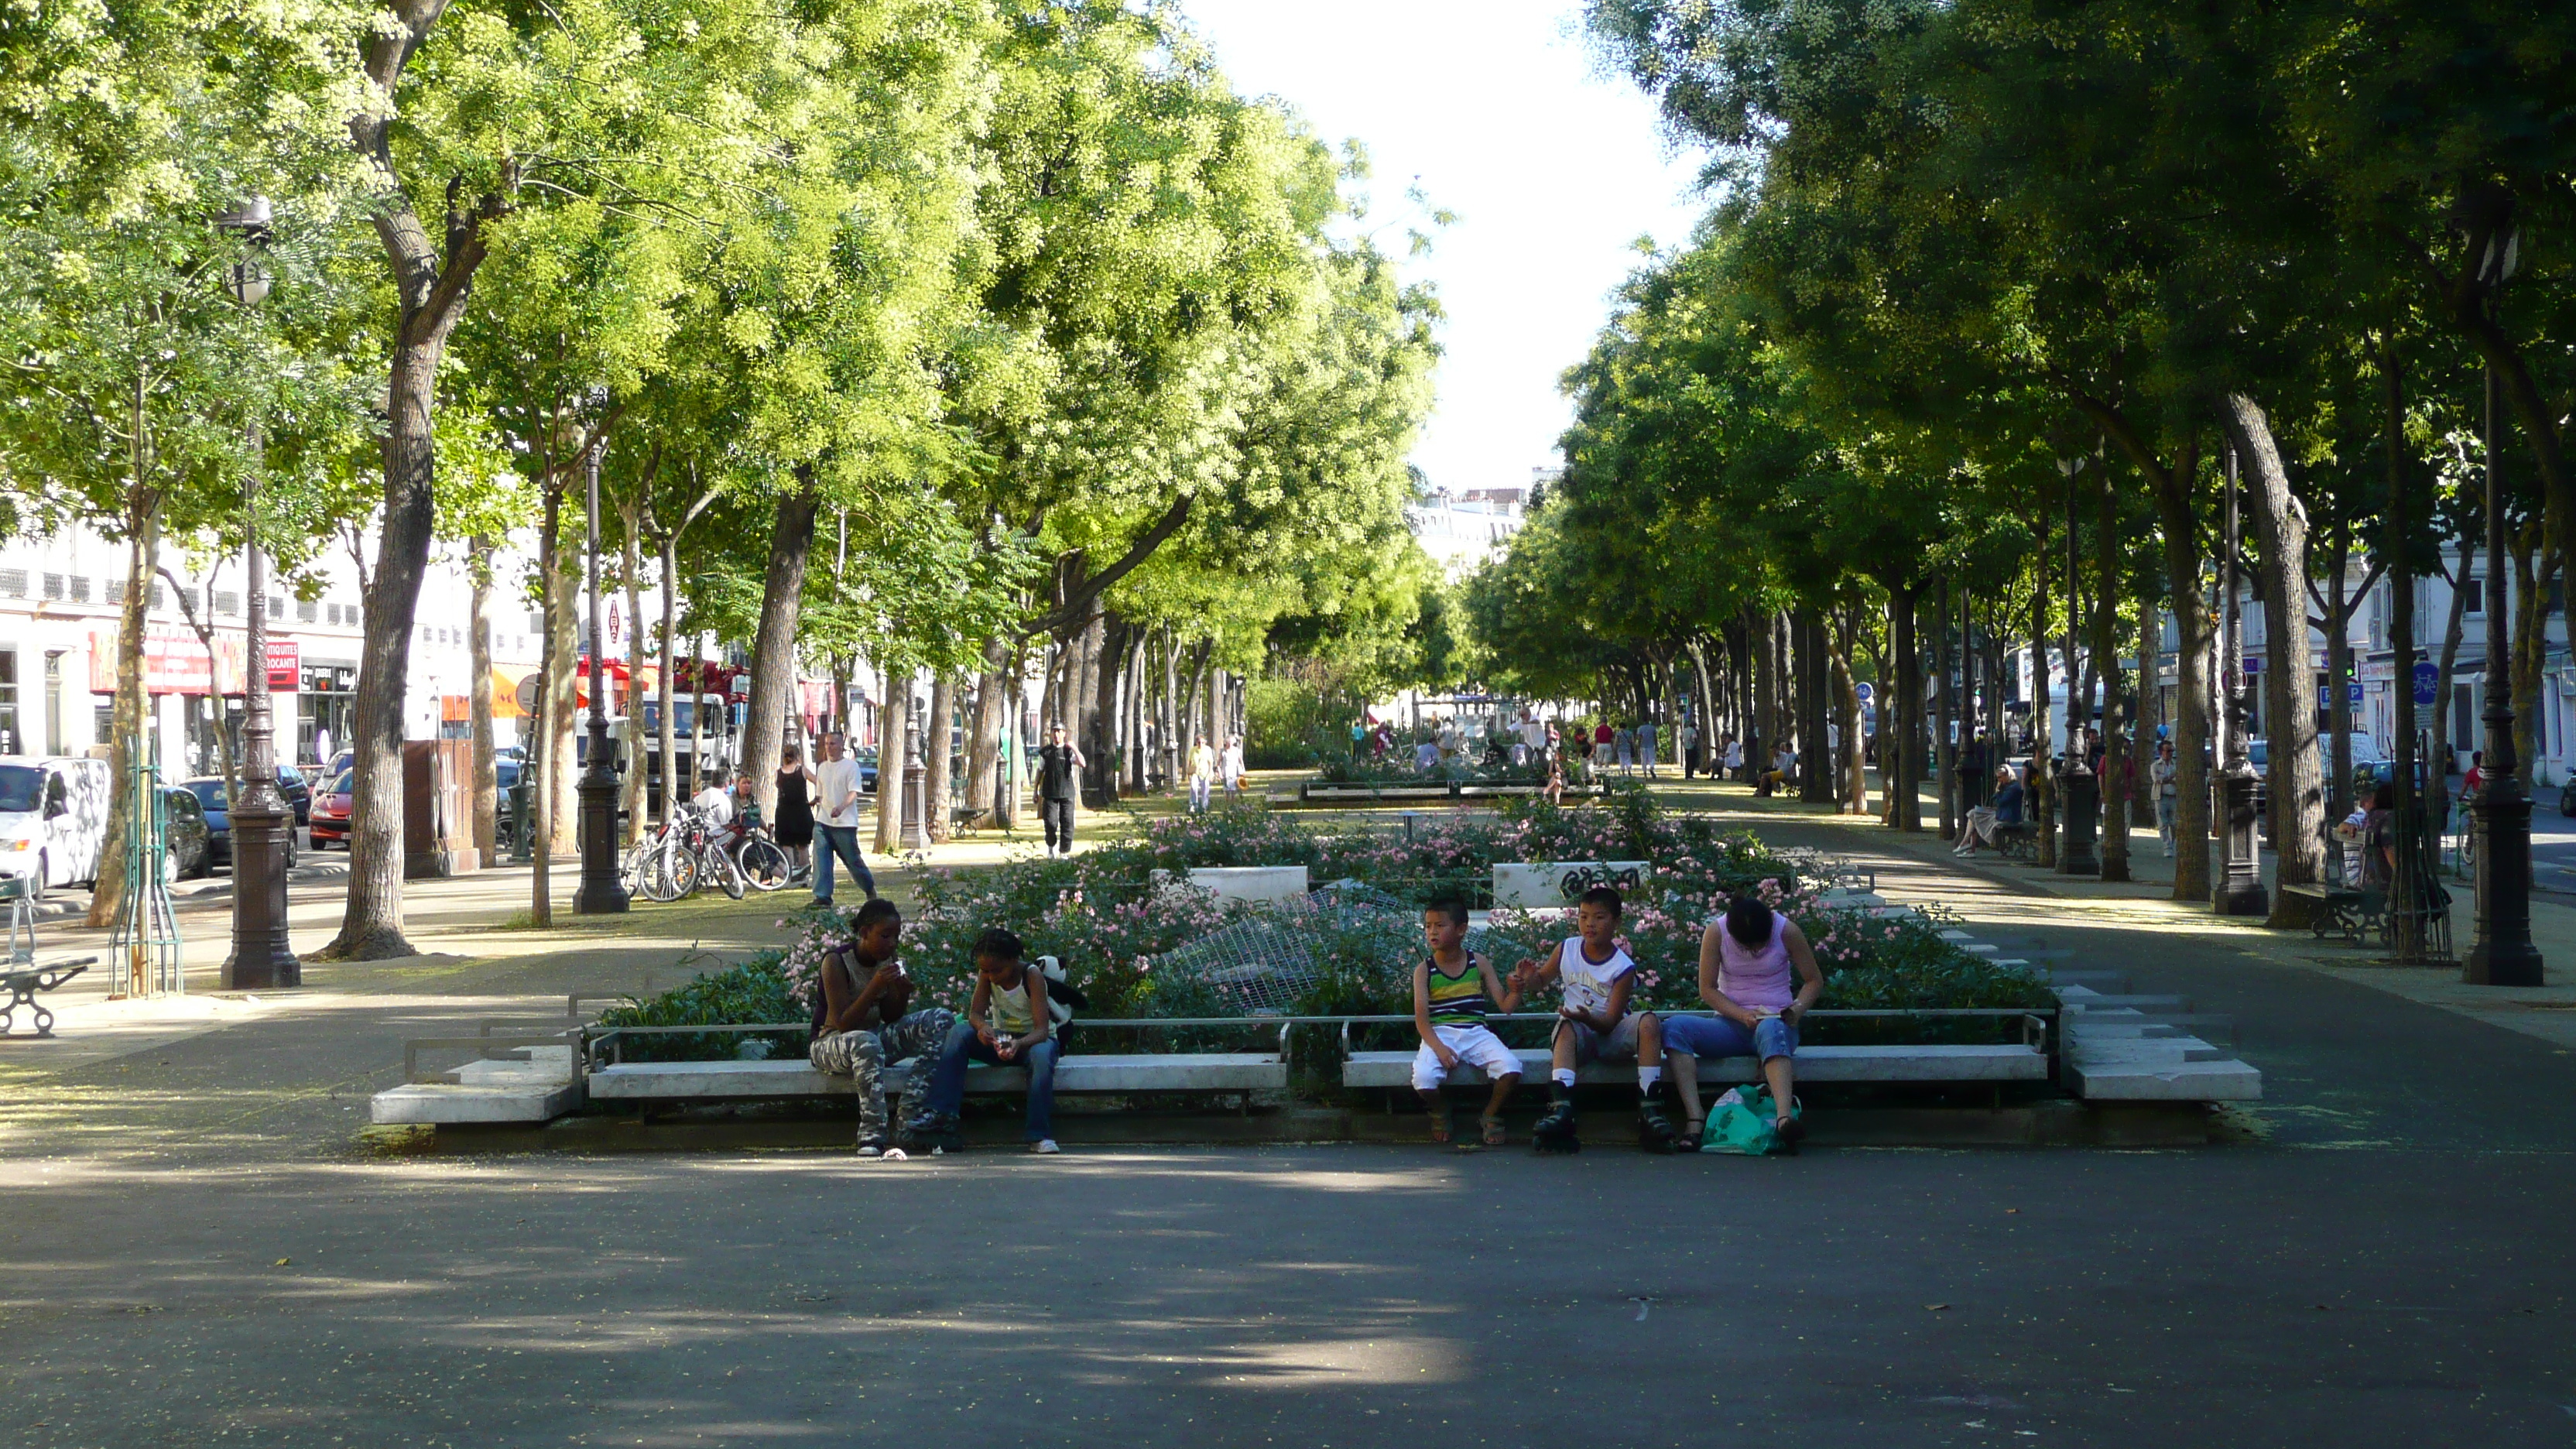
<point x="1911" y="1065"/>
<point x="792" y="1077"/>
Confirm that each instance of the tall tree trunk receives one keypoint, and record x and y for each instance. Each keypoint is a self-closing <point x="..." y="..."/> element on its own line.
<point x="2534" y="553"/>
<point x="562" y="686"/>
<point x="630" y="786"/>
<point x="432" y="280"/>
<point x="2297" y="790"/>
<point x="544" y="769"/>
<point x="938" y="785"/>
<point x="2444" y="757"/>
<point x="892" y="714"/>
<point x="478" y="636"/>
<point x="2407" y="935"/>
<point x="2119" y="784"/>
<point x="1945" y="761"/>
<point x="1854" y="774"/>
<point x="664" y="729"/>
<point x="1900" y="765"/>
<point x="773" y="650"/>
<point x="2041" y="797"/>
<point x="142" y="562"/>
<point x="2142" y="738"/>
<point x="984" y="750"/>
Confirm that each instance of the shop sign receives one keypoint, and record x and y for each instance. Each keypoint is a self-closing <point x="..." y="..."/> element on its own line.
<point x="174" y="661"/>
<point x="285" y="666"/>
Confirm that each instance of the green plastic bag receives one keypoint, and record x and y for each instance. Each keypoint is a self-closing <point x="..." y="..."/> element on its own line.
<point x="1744" y="1122"/>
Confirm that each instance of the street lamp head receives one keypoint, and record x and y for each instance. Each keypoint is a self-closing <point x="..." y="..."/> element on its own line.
<point x="252" y="217"/>
<point x="248" y="282"/>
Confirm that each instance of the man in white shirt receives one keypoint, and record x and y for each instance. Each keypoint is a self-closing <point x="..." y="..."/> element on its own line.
<point x="713" y="803"/>
<point x="1229" y="766"/>
<point x="837" y="823"/>
<point x="1689" y="740"/>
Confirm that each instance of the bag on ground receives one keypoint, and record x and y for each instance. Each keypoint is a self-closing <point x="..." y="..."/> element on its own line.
<point x="1743" y="1122"/>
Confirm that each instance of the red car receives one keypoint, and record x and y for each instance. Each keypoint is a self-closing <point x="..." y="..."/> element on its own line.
<point x="331" y="811"/>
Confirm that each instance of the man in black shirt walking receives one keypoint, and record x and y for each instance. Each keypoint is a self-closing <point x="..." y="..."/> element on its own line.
<point x="1059" y="780"/>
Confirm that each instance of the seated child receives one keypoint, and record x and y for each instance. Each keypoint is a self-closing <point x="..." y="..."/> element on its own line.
<point x="1596" y="1025"/>
<point x="1452" y="991"/>
<point x="1010" y="1022"/>
<point x="860" y="1024"/>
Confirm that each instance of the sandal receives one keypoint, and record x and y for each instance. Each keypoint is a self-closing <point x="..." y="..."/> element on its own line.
<point x="1440" y="1127"/>
<point x="1692" y="1129"/>
<point x="1493" y="1131"/>
<point x="1790" y="1131"/>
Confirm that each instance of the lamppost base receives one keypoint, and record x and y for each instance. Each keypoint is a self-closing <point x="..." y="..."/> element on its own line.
<point x="2083" y="811"/>
<point x="2502" y="964"/>
<point x="602" y="892"/>
<point x="261" y="960"/>
<point x="2242" y="898"/>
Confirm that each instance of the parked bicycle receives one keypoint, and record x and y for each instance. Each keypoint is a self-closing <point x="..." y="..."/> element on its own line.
<point x="689" y="849"/>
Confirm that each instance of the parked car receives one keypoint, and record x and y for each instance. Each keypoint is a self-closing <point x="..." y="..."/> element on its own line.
<point x="53" y="819"/>
<point x="191" y="843"/>
<point x="2567" y="797"/>
<point x="209" y="794"/>
<point x="297" y="790"/>
<point x="867" y="770"/>
<point x="331" y="811"/>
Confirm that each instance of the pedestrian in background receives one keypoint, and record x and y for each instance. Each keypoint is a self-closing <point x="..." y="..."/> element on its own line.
<point x="838" y="782"/>
<point x="1060" y="766"/>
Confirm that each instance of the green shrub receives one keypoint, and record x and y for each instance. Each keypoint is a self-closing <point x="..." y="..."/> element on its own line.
<point x="755" y="991"/>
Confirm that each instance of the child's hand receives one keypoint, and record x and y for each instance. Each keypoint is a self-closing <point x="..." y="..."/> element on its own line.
<point x="1448" y="1059"/>
<point x="1006" y="1047"/>
<point x="986" y="1035"/>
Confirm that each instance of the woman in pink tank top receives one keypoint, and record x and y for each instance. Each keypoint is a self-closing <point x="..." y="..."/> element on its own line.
<point x="1758" y="974"/>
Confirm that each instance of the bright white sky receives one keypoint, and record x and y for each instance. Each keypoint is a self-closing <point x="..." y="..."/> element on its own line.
<point x="1554" y="171"/>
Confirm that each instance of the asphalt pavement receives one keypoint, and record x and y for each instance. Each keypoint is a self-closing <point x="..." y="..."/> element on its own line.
<point x="200" y="1250"/>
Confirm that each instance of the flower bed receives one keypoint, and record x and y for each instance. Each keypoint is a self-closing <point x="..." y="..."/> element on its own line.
<point x="1122" y="938"/>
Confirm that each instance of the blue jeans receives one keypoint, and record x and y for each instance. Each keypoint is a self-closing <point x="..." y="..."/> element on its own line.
<point x="843" y="841"/>
<point x="1715" y="1036"/>
<point x="948" y="1079"/>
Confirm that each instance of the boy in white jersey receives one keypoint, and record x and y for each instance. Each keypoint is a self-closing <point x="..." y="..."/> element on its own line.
<point x="1595" y="1023"/>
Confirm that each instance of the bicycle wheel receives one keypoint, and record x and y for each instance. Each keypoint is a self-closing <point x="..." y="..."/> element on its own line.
<point x="728" y="873"/>
<point x="670" y="874"/>
<point x="764" y="863"/>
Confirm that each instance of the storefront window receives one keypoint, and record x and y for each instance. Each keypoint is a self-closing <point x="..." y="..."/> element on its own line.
<point x="11" y="743"/>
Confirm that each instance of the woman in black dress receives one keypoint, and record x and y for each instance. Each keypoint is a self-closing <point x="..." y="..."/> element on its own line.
<point x="795" y="809"/>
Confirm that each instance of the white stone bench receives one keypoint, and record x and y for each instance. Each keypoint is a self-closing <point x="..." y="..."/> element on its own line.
<point x="790" y="1077"/>
<point x="1912" y="1065"/>
<point x="1244" y="882"/>
<point x="536" y="1087"/>
<point x="1543" y="883"/>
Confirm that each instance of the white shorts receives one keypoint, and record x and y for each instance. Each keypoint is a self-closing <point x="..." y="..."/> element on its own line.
<point x="1476" y="1046"/>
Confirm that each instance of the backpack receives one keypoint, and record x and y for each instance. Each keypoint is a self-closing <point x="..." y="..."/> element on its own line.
<point x="1062" y="995"/>
<point x="1744" y="1122"/>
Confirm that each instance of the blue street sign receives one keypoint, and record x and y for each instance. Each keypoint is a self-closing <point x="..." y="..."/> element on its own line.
<point x="1863" y="689"/>
<point x="2352" y="693"/>
<point x="2427" y="677"/>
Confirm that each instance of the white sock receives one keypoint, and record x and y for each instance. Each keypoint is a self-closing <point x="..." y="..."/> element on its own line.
<point x="1647" y="1077"/>
<point x="1563" y="1077"/>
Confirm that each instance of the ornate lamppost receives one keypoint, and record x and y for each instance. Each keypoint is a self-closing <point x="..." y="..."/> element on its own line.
<point x="602" y="892"/>
<point x="262" y="821"/>
<point x="2500" y="813"/>
<point x="2240" y="890"/>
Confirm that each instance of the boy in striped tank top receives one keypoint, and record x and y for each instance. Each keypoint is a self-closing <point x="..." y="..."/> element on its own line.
<point x="1452" y="991"/>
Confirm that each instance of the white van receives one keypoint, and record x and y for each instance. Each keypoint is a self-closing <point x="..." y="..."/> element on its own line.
<point x="53" y="819"/>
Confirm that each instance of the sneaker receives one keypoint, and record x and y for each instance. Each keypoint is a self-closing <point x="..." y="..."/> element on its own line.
<point x="1045" y="1147"/>
<point x="872" y="1147"/>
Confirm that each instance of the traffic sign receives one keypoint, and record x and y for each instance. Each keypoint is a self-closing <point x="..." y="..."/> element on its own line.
<point x="1864" y="691"/>
<point x="2428" y="677"/>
